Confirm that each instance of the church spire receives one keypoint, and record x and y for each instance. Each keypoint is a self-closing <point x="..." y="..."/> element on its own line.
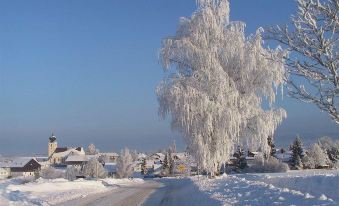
<point x="52" y="138"/>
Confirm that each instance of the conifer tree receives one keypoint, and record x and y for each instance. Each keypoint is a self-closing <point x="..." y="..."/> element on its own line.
<point x="240" y="161"/>
<point x="171" y="164"/>
<point x="143" y="167"/>
<point x="272" y="146"/>
<point x="297" y="153"/>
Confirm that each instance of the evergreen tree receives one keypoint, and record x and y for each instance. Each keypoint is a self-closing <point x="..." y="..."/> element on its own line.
<point x="272" y="146"/>
<point x="240" y="161"/>
<point x="297" y="153"/>
<point x="166" y="165"/>
<point x="171" y="164"/>
<point x="143" y="167"/>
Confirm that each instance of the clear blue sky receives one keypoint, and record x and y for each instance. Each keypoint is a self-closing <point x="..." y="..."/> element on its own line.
<point x="87" y="70"/>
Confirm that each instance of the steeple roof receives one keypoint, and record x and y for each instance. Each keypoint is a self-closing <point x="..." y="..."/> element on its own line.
<point x="52" y="138"/>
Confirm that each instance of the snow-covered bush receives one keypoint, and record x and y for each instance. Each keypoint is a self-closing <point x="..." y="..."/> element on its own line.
<point x="125" y="164"/>
<point x="271" y="164"/>
<point x="71" y="173"/>
<point x="51" y="173"/>
<point x="215" y="82"/>
<point x="93" y="168"/>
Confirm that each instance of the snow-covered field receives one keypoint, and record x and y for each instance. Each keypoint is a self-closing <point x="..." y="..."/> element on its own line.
<point x="51" y="192"/>
<point x="308" y="187"/>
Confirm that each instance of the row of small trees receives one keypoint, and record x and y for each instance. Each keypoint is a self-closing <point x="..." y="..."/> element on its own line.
<point x="324" y="153"/>
<point x="265" y="163"/>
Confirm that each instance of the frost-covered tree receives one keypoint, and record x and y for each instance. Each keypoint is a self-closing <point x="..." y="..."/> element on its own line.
<point x="91" y="150"/>
<point x="313" y="60"/>
<point x="215" y="82"/>
<point x="331" y="148"/>
<point x="315" y="157"/>
<point x="297" y="153"/>
<point x="173" y="147"/>
<point x="93" y="168"/>
<point x="125" y="164"/>
<point x="71" y="173"/>
<point x="134" y="155"/>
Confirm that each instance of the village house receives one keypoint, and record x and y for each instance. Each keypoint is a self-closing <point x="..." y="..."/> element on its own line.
<point x="21" y="166"/>
<point x="77" y="160"/>
<point x="109" y="157"/>
<point x="4" y="173"/>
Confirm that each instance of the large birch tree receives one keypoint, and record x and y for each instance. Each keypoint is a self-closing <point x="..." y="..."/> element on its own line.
<point x="216" y="80"/>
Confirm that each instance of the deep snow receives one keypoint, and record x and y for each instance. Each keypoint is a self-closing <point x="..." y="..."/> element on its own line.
<point x="308" y="187"/>
<point x="51" y="192"/>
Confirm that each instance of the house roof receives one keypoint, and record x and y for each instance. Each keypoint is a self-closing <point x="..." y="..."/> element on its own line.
<point x="79" y="149"/>
<point x="180" y="156"/>
<point x="67" y="152"/>
<point x="3" y="170"/>
<point x="77" y="158"/>
<point x="60" y="149"/>
<point x="159" y="155"/>
<point x="15" y="162"/>
<point x="112" y="154"/>
<point x="52" y="138"/>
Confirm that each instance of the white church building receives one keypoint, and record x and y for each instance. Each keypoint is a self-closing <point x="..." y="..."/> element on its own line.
<point x="58" y="155"/>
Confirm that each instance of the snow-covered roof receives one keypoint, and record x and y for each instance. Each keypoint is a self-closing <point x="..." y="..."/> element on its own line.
<point x="15" y="161"/>
<point x="77" y="158"/>
<point x="69" y="151"/>
<point x="141" y="155"/>
<point x="112" y="154"/>
<point x="180" y="155"/>
<point x="158" y="155"/>
<point x="3" y="170"/>
<point x="41" y="158"/>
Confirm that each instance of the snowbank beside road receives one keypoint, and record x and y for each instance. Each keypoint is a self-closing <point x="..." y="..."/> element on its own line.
<point x="51" y="192"/>
<point x="292" y="188"/>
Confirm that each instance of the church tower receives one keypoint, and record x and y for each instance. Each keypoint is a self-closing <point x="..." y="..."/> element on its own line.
<point x="52" y="145"/>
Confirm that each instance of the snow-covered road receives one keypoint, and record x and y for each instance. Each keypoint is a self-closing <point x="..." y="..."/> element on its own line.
<point x="179" y="192"/>
<point x="122" y="196"/>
